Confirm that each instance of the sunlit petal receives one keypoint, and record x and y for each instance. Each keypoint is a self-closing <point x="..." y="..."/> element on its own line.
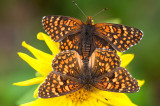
<point x="92" y="101"/>
<point x="40" y="55"/>
<point x="85" y="103"/>
<point x="141" y="82"/>
<point x="41" y="66"/>
<point x="99" y="97"/>
<point x="53" y="46"/>
<point x="119" y="53"/>
<point x="100" y="103"/>
<point x="70" y="103"/>
<point x="30" y="81"/>
<point x="57" y="101"/>
<point x="126" y="59"/>
<point x="120" y="98"/>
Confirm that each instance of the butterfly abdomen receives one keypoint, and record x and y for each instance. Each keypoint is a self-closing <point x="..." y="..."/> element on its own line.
<point x="86" y="42"/>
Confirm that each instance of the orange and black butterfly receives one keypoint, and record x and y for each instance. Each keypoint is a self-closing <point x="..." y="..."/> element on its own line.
<point x="73" y="34"/>
<point x="103" y="72"/>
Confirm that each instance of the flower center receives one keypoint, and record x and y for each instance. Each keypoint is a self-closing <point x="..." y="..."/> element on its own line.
<point x="80" y="95"/>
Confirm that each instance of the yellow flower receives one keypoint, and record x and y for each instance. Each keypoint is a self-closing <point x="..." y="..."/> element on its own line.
<point x="42" y="64"/>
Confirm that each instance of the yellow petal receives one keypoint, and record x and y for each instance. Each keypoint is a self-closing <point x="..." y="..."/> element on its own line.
<point x="99" y="97"/>
<point x="119" y="53"/>
<point x="53" y="46"/>
<point x="37" y="53"/>
<point x="30" y="81"/>
<point x="40" y="66"/>
<point x="70" y="103"/>
<point x="45" y="67"/>
<point x="92" y="102"/>
<point x="100" y="103"/>
<point x="56" y="101"/>
<point x="85" y="103"/>
<point x="141" y="82"/>
<point x="126" y="59"/>
<point x="116" y="99"/>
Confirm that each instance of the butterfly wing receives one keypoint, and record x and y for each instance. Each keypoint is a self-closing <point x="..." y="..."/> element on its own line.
<point x="72" y="42"/>
<point x="57" y="84"/>
<point x="98" y="42"/>
<point x="68" y="63"/>
<point x="65" y="77"/>
<point x="103" y="61"/>
<point x="120" y="37"/>
<point x="59" y="27"/>
<point x="118" y="80"/>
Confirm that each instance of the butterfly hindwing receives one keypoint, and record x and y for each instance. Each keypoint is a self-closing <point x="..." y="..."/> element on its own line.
<point x="120" y="37"/>
<point x="57" y="84"/>
<point x="64" y="78"/>
<point x="103" y="61"/>
<point x="68" y="63"/>
<point x="118" y="80"/>
<point x="98" y="42"/>
<point x="59" y="27"/>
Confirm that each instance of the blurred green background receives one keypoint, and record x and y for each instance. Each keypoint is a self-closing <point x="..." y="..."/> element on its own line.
<point x="21" y="20"/>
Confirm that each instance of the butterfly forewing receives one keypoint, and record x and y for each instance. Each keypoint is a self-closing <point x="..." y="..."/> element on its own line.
<point x="59" y="27"/>
<point x="68" y="63"/>
<point x="120" y="37"/>
<point x="103" y="61"/>
<point x="57" y="84"/>
<point x="118" y="80"/>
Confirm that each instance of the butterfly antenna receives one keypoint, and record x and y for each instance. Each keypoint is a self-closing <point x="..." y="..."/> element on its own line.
<point x="79" y="8"/>
<point x="100" y="12"/>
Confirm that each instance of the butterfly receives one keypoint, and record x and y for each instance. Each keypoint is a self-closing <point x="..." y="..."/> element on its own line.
<point x="84" y="38"/>
<point x="103" y="72"/>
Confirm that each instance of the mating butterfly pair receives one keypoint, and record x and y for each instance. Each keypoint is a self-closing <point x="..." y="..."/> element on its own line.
<point x="102" y="70"/>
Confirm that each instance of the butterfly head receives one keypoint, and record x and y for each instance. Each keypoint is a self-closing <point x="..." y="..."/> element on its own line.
<point x="89" y="21"/>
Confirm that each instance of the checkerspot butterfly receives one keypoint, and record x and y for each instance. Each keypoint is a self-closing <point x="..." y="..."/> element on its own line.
<point x="73" y="34"/>
<point x="103" y="71"/>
